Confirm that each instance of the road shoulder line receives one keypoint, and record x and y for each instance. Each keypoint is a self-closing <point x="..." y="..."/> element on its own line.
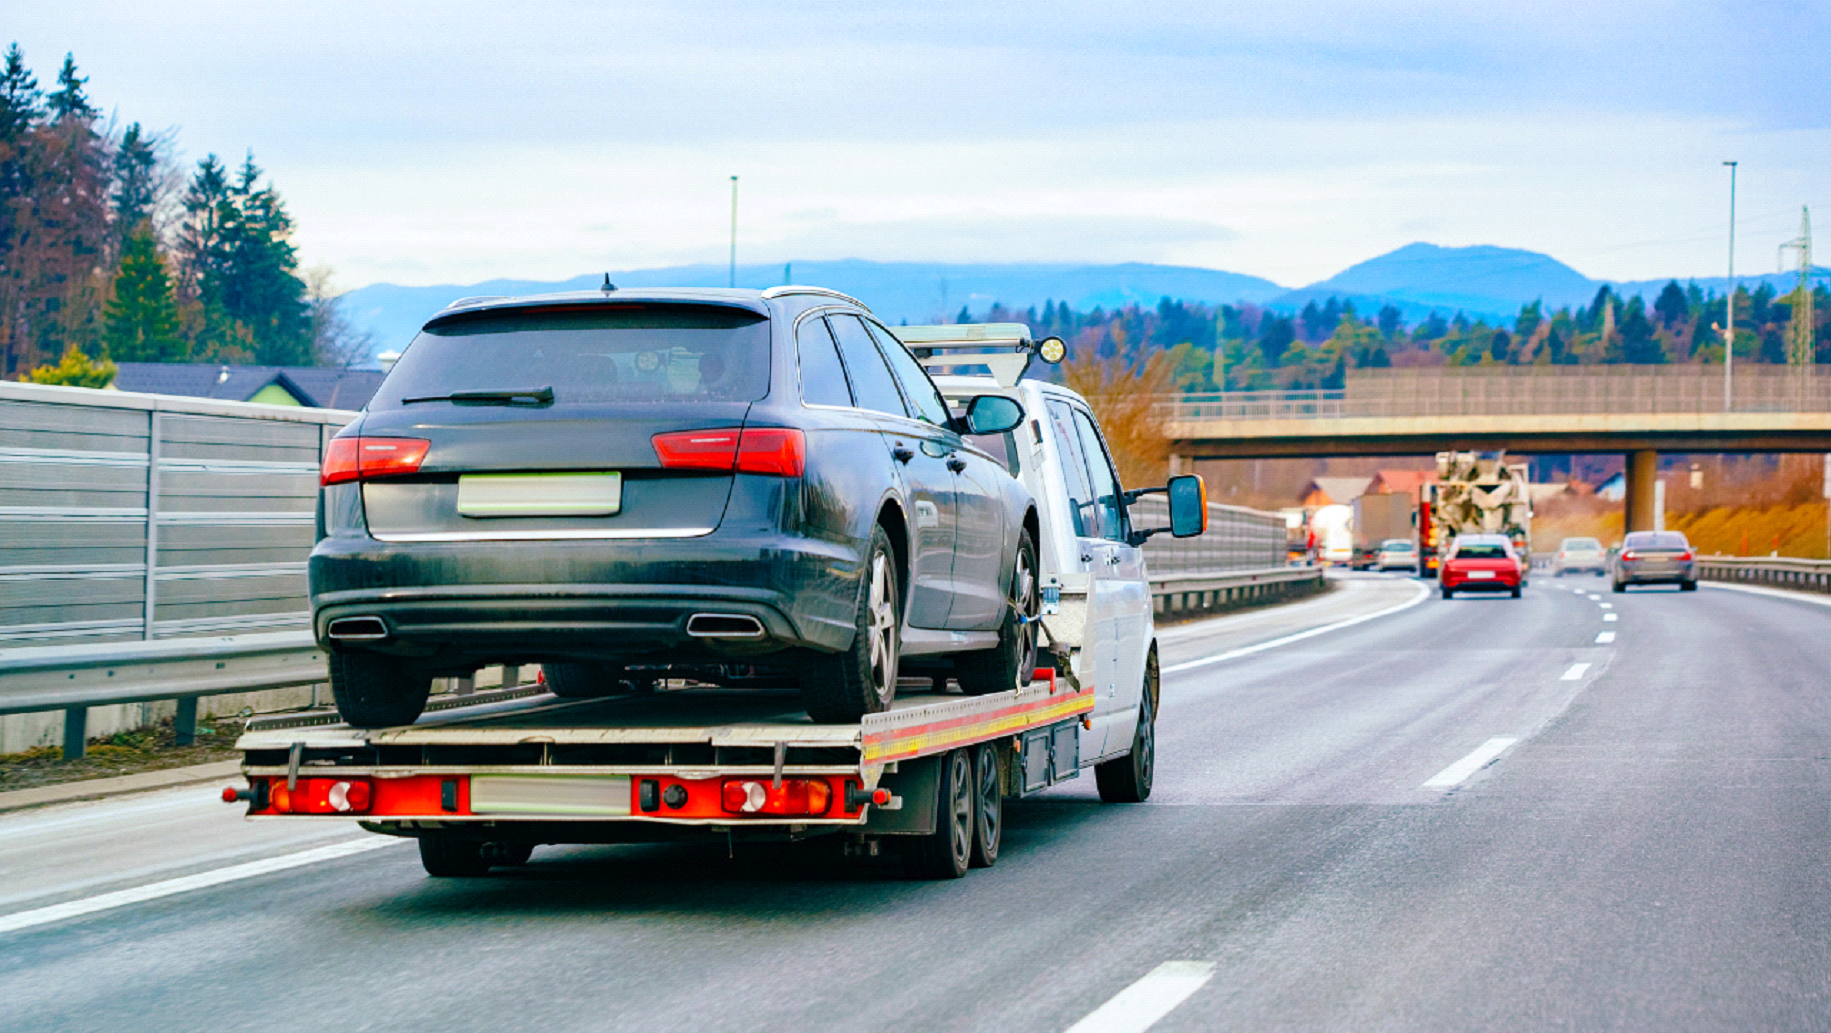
<point x="1422" y="593"/>
<point x="1138" y="1007"/>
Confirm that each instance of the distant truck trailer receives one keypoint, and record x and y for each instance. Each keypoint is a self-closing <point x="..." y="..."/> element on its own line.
<point x="1379" y="518"/>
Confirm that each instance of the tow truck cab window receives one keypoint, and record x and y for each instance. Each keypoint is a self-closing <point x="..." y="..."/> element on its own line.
<point x="871" y="379"/>
<point x="920" y="391"/>
<point x="823" y="379"/>
<point x="1105" y="481"/>
<point x="1074" y="470"/>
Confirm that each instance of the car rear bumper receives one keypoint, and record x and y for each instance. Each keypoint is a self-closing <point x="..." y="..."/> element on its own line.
<point x="463" y="605"/>
<point x="1666" y="576"/>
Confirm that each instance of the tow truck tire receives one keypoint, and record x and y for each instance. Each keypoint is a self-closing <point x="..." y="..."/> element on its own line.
<point x="988" y="806"/>
<point x="947" y="852"/>
<point x="1010" y="664"/>
<point x="448" y="857"/>
<point x="377" y="691"/>
<point x="585" y="681"/>
<point x="860" y="680"/>
<point x="1127" y="779"/>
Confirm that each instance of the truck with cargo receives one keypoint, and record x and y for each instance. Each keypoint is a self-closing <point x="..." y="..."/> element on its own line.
<point x="1379" y="518"/>
<point x="1481" y="493"/>
<point x="482" y="785"/>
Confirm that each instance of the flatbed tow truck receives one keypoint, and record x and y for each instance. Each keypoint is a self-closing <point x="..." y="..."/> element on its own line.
<point x="481" y="785"/>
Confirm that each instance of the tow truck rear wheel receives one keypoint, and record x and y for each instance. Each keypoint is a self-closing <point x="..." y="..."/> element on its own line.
<point x="844" y="687"/>
<point x="988" y="806"/>
<point x="373" y="690"/>
<point x="947" y="852"/>
<point x="1127" y="779"/>
<point x="1011" y="663"/>
<point x="446" y="856"/>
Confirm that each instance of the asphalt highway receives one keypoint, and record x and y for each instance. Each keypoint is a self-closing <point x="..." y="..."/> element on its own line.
<point x="1377" y="810"/>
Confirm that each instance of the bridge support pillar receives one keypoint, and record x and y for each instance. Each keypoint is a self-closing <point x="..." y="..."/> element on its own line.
<point x="1642" y="503"/>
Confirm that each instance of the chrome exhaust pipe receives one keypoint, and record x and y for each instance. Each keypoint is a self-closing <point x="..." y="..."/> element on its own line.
<point x="724" y="625"/>
<point x="357" y="629"/>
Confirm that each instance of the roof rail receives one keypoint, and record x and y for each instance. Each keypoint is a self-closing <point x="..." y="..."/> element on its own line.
<point x="1003" y="348"/>
<point x="789" y="288"/>
<point x="478" y="300"/>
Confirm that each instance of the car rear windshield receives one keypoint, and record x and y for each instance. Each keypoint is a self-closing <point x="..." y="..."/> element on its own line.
<point x="1656" y="540"/>
<point x="589" y="353"/>
<point x="1396" y="545"/>
<point x="1481" y="551"/>
<point x="1583" y="543"/>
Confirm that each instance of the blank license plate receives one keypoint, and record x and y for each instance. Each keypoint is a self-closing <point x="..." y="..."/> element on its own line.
<point x="540" y="494"/>
<point x="557" y="795"/>
<point x="1481" y="575"/>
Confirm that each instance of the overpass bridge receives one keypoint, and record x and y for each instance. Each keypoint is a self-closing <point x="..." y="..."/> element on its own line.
<point x="1639" y="411"/>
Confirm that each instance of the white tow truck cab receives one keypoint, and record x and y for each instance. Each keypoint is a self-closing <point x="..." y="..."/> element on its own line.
<point x="483" y="782"/>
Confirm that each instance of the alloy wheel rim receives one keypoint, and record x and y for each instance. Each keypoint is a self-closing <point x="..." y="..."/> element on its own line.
<point x="988" y="805"/>
<point x="1029" y="604"/>
<point x="963" y="806"/>
<point x="880" y="625"/>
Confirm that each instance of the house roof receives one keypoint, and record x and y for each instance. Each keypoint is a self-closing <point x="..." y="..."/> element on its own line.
<point x="313" y="386"/>
<point x="1401" y="482"/>
<point x="1339" y="490"/>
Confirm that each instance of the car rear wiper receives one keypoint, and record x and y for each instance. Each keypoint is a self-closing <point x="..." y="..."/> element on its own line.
<point x="534" y="396"/>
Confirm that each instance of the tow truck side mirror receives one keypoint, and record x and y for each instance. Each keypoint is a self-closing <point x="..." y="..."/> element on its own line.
<point x="1188" y="506"/>
<point x="993" y="414"/>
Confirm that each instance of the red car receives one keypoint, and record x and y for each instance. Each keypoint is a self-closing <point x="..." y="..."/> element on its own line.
<point x="1482" y="563"/>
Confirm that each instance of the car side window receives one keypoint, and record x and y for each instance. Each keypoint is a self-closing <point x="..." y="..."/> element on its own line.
<point x="823" y="378"/>
<point x="1074" y="470"/>
<point x="929" y="408"/>
<point x="1106" y="491"/>
<point x="872" y="383"/>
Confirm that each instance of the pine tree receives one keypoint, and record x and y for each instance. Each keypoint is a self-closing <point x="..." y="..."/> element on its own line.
<point x="68" y="102"/>
<point x="135" y="193"/>
<point x="240" y="272"/>
<point x="142" y="317"/>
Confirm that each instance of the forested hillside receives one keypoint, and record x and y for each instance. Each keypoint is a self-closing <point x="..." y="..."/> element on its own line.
<point x="109" y="252"/>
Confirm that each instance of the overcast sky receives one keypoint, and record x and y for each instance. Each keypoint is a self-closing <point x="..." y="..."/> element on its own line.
<point x="452" y="142"/>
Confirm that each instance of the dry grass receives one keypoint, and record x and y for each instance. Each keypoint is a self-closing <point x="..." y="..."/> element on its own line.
<point x="1123" y="394"/>
<point x="1777" y="517"/>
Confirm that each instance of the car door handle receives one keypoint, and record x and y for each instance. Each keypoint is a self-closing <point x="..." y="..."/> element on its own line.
<point x="1112" y="560"/>
<point x="902" y="454"/>
<point x="956" y="464"/>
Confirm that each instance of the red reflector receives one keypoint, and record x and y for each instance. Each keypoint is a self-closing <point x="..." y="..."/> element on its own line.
<point x="698" y="449"/>
<point x="358" y="459"/>
<point x="793" y="796"/>
<point x="772" y="450"/>
<point x="229" y="794"/>
<point x="280" y="798"/>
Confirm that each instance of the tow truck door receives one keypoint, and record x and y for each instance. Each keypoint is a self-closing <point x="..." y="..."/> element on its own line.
<point x="1123" y="606"/>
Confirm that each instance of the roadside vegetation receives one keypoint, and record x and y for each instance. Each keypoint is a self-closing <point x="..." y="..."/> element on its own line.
<point x="125" y="753"/>
<point x="1753" y="507"/>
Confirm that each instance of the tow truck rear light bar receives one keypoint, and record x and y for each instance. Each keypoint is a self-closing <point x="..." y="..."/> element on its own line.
<point x="307" y="795"/>
<point x="783" y="796"/>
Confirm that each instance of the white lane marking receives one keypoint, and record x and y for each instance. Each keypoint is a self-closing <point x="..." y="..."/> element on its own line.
<point x="1481" y="758"/>
<point x="1610" y="617"/>
<point x="1606" y="606"/>
<point x="1604" y="638"/>
<point x="1138" y="1007"/>
<point x="201" y="880"/>
<point x="1189" y="665"/>
<point x="1575" y="673"/>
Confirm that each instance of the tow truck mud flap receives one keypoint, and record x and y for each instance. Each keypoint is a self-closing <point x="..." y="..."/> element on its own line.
<point x="571" y="796"/>
<point x="1051" y="755"/>
<point x="918" y="782"/>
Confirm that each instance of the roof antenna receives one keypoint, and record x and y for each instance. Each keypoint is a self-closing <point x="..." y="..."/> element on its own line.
<point x="608" y="286"/>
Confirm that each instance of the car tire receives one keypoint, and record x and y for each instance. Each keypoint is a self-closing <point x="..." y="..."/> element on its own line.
<point x="586" y="681"/>
<point x="373" y="690"/>
<point x="1620" y="586"/>
<point x="1012" y="663"/>
<point x="1516" y="590"/>
<point x="1127" y="779"/>
<point x="1687" y="586"/>
<point x="988" y="806"/>
<point x="445" y="856"/>
<point x="1447" y="593"/>
<point x="947" y="852"/>
<point x="861" y="679"/>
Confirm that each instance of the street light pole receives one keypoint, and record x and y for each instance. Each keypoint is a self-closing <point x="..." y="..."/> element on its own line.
<point x="734" y="231"/>
<point x="1729" y="334"/>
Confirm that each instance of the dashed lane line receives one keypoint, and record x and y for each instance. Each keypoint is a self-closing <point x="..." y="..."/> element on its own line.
<point x="1610" y="617"/>
<point x="1482" y="756"/>
<point x="1576" y="672"/>
<point x="153" y="891"/>
<point x="1138" y="1007"/>
<point x="1604" y="638"/>
<point x="1190" y="665"/>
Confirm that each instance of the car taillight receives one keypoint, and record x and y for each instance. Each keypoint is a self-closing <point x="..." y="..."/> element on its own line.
<point x="793" y="796"/>
<point x="1685" y="557"/>
<point x="322" y="796"/>
<point x="1630" y="555"/>
<point x="777" y="451"/>
<point x="358" y="459"/>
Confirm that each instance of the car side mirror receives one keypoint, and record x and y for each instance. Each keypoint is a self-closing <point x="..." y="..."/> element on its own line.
<point x="1188" y="506"/>
<point x="993" y="414"/>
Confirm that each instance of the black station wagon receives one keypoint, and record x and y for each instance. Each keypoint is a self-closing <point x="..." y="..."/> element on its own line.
<point x="610" y="481"/>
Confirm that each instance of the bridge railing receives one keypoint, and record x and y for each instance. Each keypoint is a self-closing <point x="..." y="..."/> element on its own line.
<point x="1523" y="391"/>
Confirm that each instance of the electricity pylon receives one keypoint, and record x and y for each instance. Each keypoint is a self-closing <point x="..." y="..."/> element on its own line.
<point x="1801" y="332"/>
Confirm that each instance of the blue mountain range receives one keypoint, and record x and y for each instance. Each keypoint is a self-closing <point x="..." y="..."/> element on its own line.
<point x="1481" y="282"/>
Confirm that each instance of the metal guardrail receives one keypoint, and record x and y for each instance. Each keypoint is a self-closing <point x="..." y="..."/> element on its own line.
<point x="1173" y="594"/>
<point x="1777" y="571"/>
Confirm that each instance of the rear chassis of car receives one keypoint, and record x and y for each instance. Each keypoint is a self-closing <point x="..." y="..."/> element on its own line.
<point x="1462" y="576"/>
